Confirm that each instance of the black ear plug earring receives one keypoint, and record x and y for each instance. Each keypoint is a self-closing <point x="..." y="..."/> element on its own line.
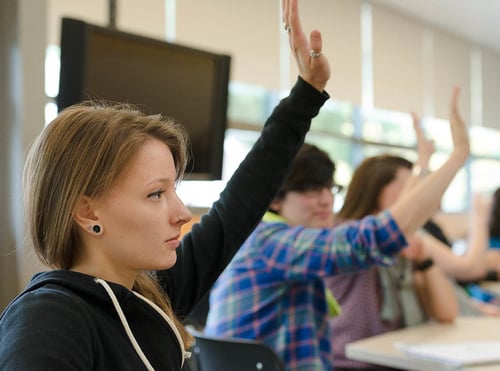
<point x="96" y="228"/>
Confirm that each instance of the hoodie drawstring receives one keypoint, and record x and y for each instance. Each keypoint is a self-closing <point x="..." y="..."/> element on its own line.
<point x="171" y="323"/>
<point x="126" y="326"/>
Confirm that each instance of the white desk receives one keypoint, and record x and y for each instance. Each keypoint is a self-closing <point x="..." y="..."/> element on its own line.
<point x="381" y="349"/>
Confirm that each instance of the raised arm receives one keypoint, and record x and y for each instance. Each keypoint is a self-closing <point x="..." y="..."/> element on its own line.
<point x="419" y="203"/>
<point x="434" y="289"/>
<point x="436" y="294"/>
<point x="425" y="148"/>
<point x="212" y="243"/>
<point x="472" y="265"/>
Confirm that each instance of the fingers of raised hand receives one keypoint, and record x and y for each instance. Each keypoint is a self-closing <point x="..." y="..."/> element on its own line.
<point x="290" y="13"/>
<point x="315" y="44"/>
<point x="458" y="126"/>
<point x="286" y="14"/>
<point x="455" y="94"/>
<point x="285" y="10"/>
<point x="454" y="102"/>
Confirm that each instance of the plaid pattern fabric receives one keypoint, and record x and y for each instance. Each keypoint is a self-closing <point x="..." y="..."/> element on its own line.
<point x="273" y="289"/>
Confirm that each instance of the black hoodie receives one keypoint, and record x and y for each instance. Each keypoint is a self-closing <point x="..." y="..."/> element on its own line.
<point x="67" y="321"/>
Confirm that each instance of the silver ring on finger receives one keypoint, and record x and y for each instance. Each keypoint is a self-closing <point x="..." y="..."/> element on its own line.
<point x="315" y="54"/>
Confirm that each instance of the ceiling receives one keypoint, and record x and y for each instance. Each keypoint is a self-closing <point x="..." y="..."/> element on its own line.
<point x="475" y="20"/>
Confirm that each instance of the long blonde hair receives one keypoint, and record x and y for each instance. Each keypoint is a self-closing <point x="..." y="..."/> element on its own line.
<point x="81" y="153"/>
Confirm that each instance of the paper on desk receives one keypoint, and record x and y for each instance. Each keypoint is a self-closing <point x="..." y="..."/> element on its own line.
<point x="455" y="354"/>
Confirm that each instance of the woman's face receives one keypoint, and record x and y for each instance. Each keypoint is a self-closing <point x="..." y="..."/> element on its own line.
<point x="141" y="216"/>
<point x="392" y="190"/>
<point x="311" y="209"/>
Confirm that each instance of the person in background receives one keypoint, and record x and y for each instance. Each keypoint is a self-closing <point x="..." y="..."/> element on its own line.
<point x="103" y="212"/>
<point x="489" y="300"/>
<point x="485" y="227"/>
<point x="383" y="299"/>
<point x="477" y="263"/>
<point x="473" y="266"/>
<point x="273" y="290"/>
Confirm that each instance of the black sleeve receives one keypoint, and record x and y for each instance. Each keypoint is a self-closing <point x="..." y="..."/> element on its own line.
<point x="211" y="244"/>
<point x="436" y="231"/>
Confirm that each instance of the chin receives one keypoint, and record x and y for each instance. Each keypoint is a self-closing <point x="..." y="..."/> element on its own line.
<point x="166" y="263"/>
<point x="323" y="223"/>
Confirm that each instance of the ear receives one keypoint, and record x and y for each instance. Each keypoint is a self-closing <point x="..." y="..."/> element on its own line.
<point x="276" y="205"/>
<point x="84" y="214"/>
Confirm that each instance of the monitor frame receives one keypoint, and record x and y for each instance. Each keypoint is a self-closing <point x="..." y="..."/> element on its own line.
<point x="77" y="45"/>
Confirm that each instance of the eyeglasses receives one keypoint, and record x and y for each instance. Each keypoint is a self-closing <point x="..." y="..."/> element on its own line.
<point x="316" y="191"/>
<point x="337" y="188"/>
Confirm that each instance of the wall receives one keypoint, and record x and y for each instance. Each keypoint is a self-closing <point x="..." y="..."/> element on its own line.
<point x="412" y="66"/>
<point x="8" y="269"/>
<point x="22" y="55"/>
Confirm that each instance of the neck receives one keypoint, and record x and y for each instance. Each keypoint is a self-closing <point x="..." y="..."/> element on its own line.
<point x="126" y="280"/>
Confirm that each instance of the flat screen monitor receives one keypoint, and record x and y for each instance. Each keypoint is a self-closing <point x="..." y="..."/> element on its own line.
<point x="188" y="84"/>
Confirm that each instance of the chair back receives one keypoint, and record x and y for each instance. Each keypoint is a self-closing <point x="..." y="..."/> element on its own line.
<point x="231" y="354"/>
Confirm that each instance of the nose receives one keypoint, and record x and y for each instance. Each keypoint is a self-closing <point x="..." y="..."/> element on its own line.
<point x="326" y="196"/>
<point x="183" y="214"/>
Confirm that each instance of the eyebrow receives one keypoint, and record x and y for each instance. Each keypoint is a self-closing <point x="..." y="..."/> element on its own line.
<point x="160" y="180"/>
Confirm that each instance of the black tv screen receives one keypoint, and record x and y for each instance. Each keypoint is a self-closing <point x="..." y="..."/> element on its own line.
<point x="188" y="84"/>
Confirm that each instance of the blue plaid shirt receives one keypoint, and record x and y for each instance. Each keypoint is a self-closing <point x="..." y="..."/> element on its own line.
<point x="273" y="289"/>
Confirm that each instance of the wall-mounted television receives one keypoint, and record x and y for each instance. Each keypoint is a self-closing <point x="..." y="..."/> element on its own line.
<point x="188" y="84"/>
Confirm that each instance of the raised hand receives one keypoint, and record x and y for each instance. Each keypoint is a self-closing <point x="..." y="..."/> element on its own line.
<point x="312" y="63"/>
<point x="423" y="199"/>
<point x="459" y="132"/>
<point x="425" y="146"/>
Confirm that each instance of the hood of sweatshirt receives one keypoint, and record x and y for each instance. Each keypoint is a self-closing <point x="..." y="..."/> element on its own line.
<point x="81" y="284"/>
<point x="104" y="294"/>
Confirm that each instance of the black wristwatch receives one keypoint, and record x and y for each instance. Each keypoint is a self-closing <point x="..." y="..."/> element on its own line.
<point x="491" y="275"/>
<point x="423" y="265"/>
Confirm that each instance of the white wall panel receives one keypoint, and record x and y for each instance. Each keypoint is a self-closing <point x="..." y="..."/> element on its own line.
<point x="451" y="67"/>
<point x="398" y="62"/>
<point x="491" y="90"/>
<point x="145" y="17"/>
<point x="92" y="11"/>
<point x="340" y="24"/>
<point x="249" y="31"/>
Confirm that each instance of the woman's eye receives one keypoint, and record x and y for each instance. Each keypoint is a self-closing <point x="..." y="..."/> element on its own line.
<point x="156" y="195"/>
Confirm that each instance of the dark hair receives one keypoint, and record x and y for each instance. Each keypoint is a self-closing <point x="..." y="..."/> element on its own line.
<point x="367" y="182"/>
<point x="494" y="223"/>
<point x="312" y="169"/>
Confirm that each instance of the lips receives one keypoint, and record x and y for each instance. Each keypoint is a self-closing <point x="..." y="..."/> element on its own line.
<point x="324" y="215"/>
<point x="173" y="242"/>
